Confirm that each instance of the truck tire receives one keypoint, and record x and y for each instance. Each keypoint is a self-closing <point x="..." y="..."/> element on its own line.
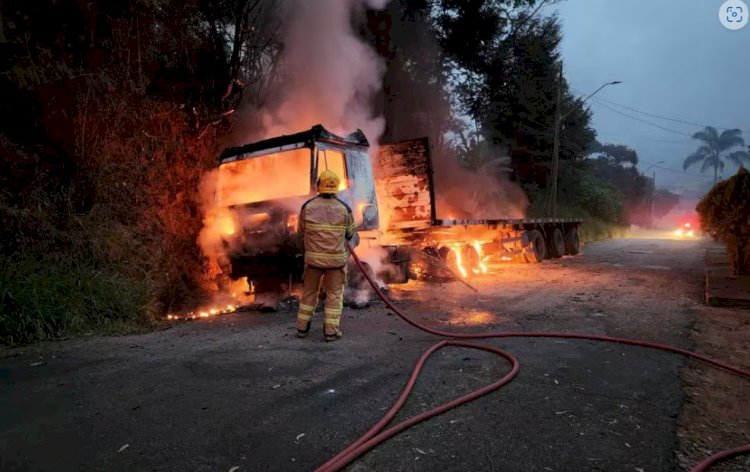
<point x="536" y="250"/>
<point x="450" y="257"/>
<point x="572" y="242"/>
<point x="470" y="258"/>
<point x="556" y="247"/>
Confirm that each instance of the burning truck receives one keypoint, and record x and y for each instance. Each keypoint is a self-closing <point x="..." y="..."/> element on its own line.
<point x="261" y="187"/>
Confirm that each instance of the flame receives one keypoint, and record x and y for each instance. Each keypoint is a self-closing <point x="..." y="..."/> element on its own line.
<point x="459" y="261"/>
<point x="225" y="222"/>
<point x="206" y="313"/>
<point x="292" y="223"/>
<point x="480" y="253"/>
<point x="238" y="289"/>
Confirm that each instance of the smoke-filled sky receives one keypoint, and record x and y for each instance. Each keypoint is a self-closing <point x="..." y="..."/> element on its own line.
<point x="675" y="59"/>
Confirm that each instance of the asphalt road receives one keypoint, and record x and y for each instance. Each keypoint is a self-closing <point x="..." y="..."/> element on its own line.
<point x="242" y="391"/>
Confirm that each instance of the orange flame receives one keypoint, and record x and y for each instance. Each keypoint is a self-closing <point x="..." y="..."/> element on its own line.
<point x="459" y="261"/>
<point x="480" y="253"/>
<point x="238" y="289"/>
<point x="225" y="222"/>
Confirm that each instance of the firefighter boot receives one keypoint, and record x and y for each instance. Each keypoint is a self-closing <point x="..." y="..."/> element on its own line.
<point x="303" y="328"/>
<point x="334" y="335"/>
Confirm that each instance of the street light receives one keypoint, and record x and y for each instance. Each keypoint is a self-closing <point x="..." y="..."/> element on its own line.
<point x="591" y="95"/>
<point x="653" y="195"/>
<point x="552" y="208"/>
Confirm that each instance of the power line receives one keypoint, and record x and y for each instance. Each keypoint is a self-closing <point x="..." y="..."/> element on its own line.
<point x="704" y="176"/>
<point x="676" y="120"/>
<point x="614" y="135"/>
<point x="642" y="120"/>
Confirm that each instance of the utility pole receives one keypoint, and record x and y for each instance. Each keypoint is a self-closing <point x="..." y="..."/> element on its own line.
<point x="552" y="205"/>
<point x="653" y="194"/>
<point x="653" y="199"/>
<point x="559" y="117"/>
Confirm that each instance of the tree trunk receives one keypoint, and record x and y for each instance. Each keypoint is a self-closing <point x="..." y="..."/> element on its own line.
<point x="716" y="172"/>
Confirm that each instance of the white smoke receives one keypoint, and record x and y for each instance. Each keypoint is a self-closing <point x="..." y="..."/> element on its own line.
<point x="328" y="75"/>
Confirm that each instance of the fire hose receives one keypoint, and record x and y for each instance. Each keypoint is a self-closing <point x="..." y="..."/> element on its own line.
<point x="376" y="434"/>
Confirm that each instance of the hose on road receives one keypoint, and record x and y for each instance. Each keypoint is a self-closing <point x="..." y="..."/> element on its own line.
<point x="376" y="435"/>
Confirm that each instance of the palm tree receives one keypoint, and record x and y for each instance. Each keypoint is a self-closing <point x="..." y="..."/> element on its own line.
<point x="713" y="152"/>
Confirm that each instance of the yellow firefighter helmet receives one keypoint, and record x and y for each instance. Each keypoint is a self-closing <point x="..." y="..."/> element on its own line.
<point x="328" y="182"/>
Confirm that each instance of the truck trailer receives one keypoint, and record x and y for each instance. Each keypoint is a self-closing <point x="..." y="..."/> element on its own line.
<point x="262" y="186"/>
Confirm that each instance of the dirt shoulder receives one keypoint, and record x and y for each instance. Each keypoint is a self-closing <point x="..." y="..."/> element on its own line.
<point x="716" y="411"/>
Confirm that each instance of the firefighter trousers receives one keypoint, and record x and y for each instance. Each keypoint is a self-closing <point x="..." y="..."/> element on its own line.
<point x="333" y="281"/>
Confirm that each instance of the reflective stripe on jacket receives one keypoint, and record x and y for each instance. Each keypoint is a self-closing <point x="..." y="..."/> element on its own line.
<point x="325" y="224"/>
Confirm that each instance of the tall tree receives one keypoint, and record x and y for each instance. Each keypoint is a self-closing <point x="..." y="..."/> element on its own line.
<point x="718" y="149"/>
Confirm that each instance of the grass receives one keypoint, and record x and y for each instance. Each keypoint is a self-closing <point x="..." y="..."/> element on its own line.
<point x="55" y="297"/>
<point x="592" y="229"/>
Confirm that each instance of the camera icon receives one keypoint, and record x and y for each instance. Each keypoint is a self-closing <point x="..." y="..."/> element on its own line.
<point x="733" y="14"/>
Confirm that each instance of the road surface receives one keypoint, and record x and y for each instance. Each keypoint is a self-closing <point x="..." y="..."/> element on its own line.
<point x="242" y="391"/>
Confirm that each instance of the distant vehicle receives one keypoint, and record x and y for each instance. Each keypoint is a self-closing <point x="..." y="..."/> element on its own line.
<point x="685" y="231"/>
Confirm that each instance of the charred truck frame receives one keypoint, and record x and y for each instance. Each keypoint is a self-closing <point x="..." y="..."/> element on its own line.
<point x="264" y="184"/>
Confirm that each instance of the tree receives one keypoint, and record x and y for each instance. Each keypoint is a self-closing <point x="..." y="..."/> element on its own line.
<point x="716" y="150"/>
<point x="616" y="165"/>
<point x="725" y="214"/>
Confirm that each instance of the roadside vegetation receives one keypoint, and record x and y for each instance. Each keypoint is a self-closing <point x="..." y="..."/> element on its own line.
<point x="725" y="215"/>
<point x="112" y="111"/>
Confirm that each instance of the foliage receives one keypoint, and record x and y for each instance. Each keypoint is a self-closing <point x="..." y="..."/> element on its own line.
<point x="54" y="297"/>
<point x="582" y="188"/>
<point x="725" y="214"/>
<point x="593" y="228"/>
<point x="616" y="165"/>
<point x="717" y="149"/>
<point x="112" y="111"/>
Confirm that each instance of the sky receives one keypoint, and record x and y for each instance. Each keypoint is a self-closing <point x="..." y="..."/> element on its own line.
<point x="675" y="59"/>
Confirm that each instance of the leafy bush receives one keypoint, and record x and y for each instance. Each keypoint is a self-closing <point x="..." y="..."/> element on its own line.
<point x="725" y="214"/>
<point x="580" y="188"/>
<point x="115" y="246"/>
<point x="593" y="228"/>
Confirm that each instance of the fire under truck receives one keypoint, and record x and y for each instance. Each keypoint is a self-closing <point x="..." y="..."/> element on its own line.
<point x="263" y="185"/>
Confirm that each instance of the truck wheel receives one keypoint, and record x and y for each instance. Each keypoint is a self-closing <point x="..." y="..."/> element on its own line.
<point x="536" y="249"/>
<point x="470" y="259"/>
<point x="556" y="247"/>
<point x="572" y="242"/>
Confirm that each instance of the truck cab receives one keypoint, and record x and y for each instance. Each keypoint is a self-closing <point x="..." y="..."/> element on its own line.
<point x="263" y="186"/>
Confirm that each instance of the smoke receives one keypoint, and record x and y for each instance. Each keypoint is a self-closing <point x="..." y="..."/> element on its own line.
<point x="376" y="257"/>
<point x="328" y="75"/>
<point x="484" y="193"/>
<point x="325" y="74"/>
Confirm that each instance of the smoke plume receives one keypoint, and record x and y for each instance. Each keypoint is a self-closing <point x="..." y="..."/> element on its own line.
<point x="328" y="75"/>
<point x="484" y="193"/>
<point x="325" y="74"/>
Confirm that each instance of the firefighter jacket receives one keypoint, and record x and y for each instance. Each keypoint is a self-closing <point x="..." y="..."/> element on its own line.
<point x="325" y="224"/>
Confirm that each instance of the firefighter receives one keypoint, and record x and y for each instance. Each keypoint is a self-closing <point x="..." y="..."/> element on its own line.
<point x="325" y="225"/>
